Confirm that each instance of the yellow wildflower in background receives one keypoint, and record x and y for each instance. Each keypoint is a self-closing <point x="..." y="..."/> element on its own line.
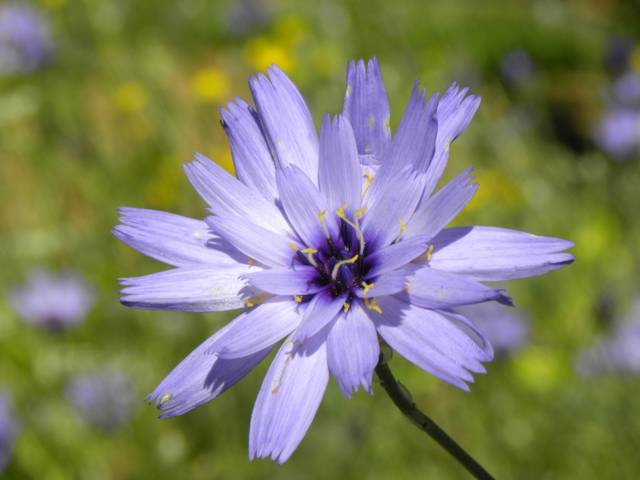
<point x="130" y="97"/>
<point x="211" y="85"/>
<point x="261" y="52"/>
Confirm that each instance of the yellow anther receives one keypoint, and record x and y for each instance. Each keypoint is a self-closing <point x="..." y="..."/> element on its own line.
<point x="340" y="212"/>
<point x="359" y="212"/>
<point x="372" y="304"/>
<point x="251" y="261"/>
<point x="403" y="227"/>
<point x="294" y="247"/>
<point x="309" y="250"/>
<point x="367" y="287"/>
<point x="257" y="300"/>
<point x="336" y="267"/>
<point x="429" y="254"/>
<point x="345" y="307"/>
<point x="321" y="214"/>
<point x="297" y="298"/>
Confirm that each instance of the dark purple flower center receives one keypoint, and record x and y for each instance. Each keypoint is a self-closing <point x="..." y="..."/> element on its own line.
<point x="341" y="263"/>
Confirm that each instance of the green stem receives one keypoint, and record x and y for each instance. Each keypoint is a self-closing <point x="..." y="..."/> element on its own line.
<point x="402" y="399"/>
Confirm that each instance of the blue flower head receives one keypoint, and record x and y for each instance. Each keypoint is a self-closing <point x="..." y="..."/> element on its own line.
<point x="25" y="39"/>
<point x="53" y="301"/>
<point x="103" y="398"/>
<point x="330" y="243"/>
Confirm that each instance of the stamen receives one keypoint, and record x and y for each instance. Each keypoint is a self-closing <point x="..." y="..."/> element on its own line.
<point x="367" y="184"/>
<point x="372" y="304"/>
<point x="355" y="225"/>
<point x="429" y="254"/>
<point x="297" y="298"/>
<point x="367" y="287"/>
<point x="275" y="385"/>
<point x="336" y="267"/>
<point x="403" y="229"/>
<point x="345" y="307"/>
<point x="340" y="211"/>
<point x="309" y="253"/>
<point x="323" y="222"/>
<point x="359" y="212"/>
<point x="294" y="247"/>
<point x="256" y="300"/>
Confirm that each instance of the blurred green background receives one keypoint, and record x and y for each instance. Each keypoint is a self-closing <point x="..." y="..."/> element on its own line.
<point x="133" y="90"/>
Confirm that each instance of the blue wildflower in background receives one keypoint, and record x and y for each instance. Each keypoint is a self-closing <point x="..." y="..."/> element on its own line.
<point x="103" y="399"/>
<point x="618" y="132"/>
<point x="8" y="429"/>
<point x="25" y="40"/>
<point x="329" y="243"/>
<point x="53" y="301"/>
<point x="517" y="68"/>
<point x="504" y="328"/>
<point x="619" y="353"/>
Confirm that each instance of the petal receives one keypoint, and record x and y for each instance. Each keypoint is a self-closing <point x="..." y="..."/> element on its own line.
<point x="367" y="108"/>
<point x="189" y="289"/>
<point x="303" y="205"/>
<point x="226" y="194"/>
<point x="410" y="151"/>
<point x="352" y="350"/>
<point x="455" y="112"/>
<point x="431" y="288"/>
<point x="201" y="377"/>
<point x="339" y="171"/>
<point x="387" y="283"/>
<point x="258" y="329"/>
<point x="322" y="309"/>
<point x="493" y="254"/>
<point x="391" y="207"/>
<point x="429" y="340"/>
<point x="298" y="280"/>
<point x="174" y="239"/>
<point x="288" y="400"/>
<point x="263" y="245"/>
<point x="414" y="142"/>
<point x="251" y="156"/>
<point x="287" y="121"/>
<point x="395" y="256"/>
<point x="436" y="212"/>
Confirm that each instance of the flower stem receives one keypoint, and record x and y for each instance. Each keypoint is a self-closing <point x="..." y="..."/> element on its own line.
<point x="402" y="399"/>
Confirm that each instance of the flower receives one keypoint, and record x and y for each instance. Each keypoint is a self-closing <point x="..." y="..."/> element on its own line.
<point x="53" y="301"/>
<point x="8" y="429"/>
<point x="619" y="353"/>
<point x="327" y="242"/>
<point x="103" y="398"/>
<point x="25" y="40"/>
<point x="618" y="132"/>
<point x="517" y="67"/>
<point x="502" y="326"/>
